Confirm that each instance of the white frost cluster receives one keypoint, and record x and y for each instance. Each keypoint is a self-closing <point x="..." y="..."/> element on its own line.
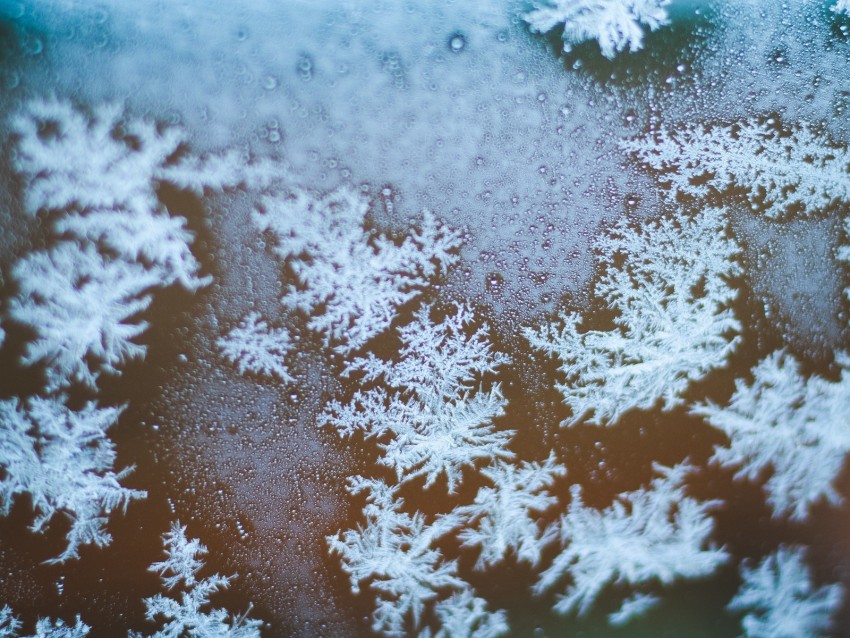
<point x="779" y="171"/>
<point x="395" y="552"/>
<point x="44" y="627"/>
<point x="793" y="426"/>
<point x="185" y="615"/>
<point x="350" y="281"/>
<point x="100" y="174"/>
<point x="464" y="615"/>
<point x="95" y="177"/>
<point x="841" y="6"/>
<point x="63" y="460"/>
<point x="654" y="534"/>
<point x="500" y="520"/>
<point x="254" y="346"/>
<point x="781" y="600"/>
<point x="669" y="284"/>
<point x="633" y="607"/>
<point x="844" y="249"/>
<point x="615" y="24"/>
<point x="435" y="418"/>
<point x="83" y="310"/>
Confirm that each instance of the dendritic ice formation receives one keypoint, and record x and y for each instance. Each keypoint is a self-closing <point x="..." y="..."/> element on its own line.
<point x="433" y="417"/>
<point x="657" y="534"/>
<point x="350" y="281"/>
<point x="83" y="308"/>
<point x="428" y="415"/>
<point x="501" y="518"/>
<point x="94" y="177"/>
<point x="614" y="24"/>
<point x="255" y="347"/>
<point x="187" y="615"/>
<point x="843" y="252"/>
<point x="786" y="426"/>
<point x="10" y="627"/>
<point x="782" y="171"/>
<point x="782" y="602"/>
<point x="670" y="284"/>
<point x="63" y="460"/>
<point x="394" y="550"/>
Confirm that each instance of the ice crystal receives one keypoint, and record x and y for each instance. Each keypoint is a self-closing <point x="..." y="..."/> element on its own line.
<point x="841" y="6"/>
<point x="82" y="308"/>
<point x="350" y="281"/>
<point x="464" y="615"/>
<point x="794" y="426"/>
<point x="395" y="551"/>
<point x="778" y="170"/>
<point x="632" y="608"/>
<point x="184" y="617"/>
<point x="98" y="177"/>
<point x="63" y="460"/>
<point x="430" y="415"/>
<point x="844" y="250"/>
<point x="44" y="627"/>
<point x="255" y="347"/>
<point x="614" y="24"/>
<point x="654" y="534"/>
<point x="782" y="601"/>
<point x="503" y="512"/>
<point x="669" y="284"/>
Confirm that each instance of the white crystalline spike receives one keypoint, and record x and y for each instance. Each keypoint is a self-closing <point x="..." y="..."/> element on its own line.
<point x="669" y="285"/>
<point x="792" y="426"/>
<point x="430" y="415"/>
<point x="781" y="600"/>
<point x="614" y="24"/>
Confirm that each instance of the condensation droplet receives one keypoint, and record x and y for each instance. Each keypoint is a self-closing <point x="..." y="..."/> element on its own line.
<point x="457" y="43"/>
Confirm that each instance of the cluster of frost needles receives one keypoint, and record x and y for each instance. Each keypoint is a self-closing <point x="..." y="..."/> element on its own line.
<point x="432" y="408"/>
<point x="93" y="177"/>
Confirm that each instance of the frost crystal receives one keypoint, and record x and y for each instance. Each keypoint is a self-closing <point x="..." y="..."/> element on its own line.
<point x="841" y="6"/>
<point x="464" y="615"/>
<point x="72" y="161"/>
<point x="184" y="616"/>
<point x="503" y="512"/>
<point x="779" y="171"/>
<point x="632" y="608"/>
<point x="82" y="309"/>
<point x="63" y="460"/>
<point x="615" y="24"/>
<point x="350" y="280"/>
<point x="394" y="550"/>
<point x="44" y="627"/>
<point x="650" y="534"/>
<point x="255" y="347"/>
<point x="104" y="171"/>
<point x="844" y="250"/>
<point x="436" y="418"/>
<point x="795" y="426"/>
<point x="669" y="284"/>
<point x="781" y="600"/>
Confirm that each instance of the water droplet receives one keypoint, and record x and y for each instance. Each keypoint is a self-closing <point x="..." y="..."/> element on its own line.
<point x="305" y="67"/>
<point x="457" y="43"/>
